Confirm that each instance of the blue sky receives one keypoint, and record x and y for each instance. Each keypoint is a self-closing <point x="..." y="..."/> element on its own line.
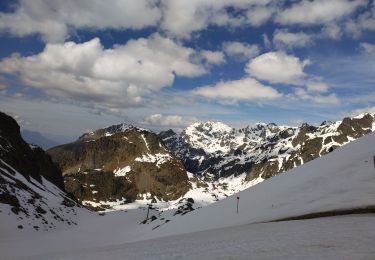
<point x="72" y="66"/>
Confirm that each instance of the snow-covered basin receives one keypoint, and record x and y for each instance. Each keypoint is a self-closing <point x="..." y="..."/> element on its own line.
<point x="343" y="179"/>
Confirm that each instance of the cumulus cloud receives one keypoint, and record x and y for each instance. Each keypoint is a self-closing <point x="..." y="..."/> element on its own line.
<point x="330" y="99"/>
<point x="317" y="87"/>
<point x="169" y="120"/>
<point x="240" y="49"/>
<point x="181" y="18"/>
<point x="285" y="38"/>
<point x="246" y="89"/>
<point x="318" y="12"/>
<point x="117" y="77"/>
<point x="364" y="22"/>
<point x="213" y="57"/>
<point x="277" y="67"/>
<point x="368" y="48"/>
<point x="53" y="18"/>
<point x="332" y="31"/>
<point x="259" y="15"/>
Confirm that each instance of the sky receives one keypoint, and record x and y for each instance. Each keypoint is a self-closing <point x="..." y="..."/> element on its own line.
<point x="68" y="67"/>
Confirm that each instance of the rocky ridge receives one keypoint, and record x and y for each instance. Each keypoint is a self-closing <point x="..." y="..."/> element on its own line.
<point x="31" y="185"/>
<point x="122" y="166"/>
<point x="260" y="151"/>
<point x="120" y="163"/>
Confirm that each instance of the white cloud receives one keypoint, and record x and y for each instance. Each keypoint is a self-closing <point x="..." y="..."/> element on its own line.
<point x="318" y="11"/>
<point x="259" y="15"/>
<point x="284" y="38"/>
<point x="317" y="87"/>
<point x="246" y="89"/>
<point x="277" y="67"/>
<point x="117" y="77"/>
<point x="181" y="18"/>
<point x="266" y="41"/>
<point x="52" y="18"/>
<point x="364" y="22"/>
<point x="332" y="31"/>
<point x="169" y="120"/>
<point x="368" y="48"/>
<point x="330" y="99"/>
<point x="213" y="57"/>
<point x="240" y="49"/>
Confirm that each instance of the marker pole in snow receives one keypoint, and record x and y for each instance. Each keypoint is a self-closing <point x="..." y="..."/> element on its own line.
<point x="238" y="201"/>
<point x="148" y="210"/>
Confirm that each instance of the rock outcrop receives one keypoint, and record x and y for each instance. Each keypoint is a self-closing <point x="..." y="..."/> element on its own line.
<point x="31" y="185"/>
<point x="120" y="162"/>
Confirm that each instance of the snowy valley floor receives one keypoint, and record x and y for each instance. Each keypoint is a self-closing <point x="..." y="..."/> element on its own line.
<point x="342" y="237"/>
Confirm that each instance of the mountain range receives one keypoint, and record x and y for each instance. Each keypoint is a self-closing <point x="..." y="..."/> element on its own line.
<point x="123" y="165"/>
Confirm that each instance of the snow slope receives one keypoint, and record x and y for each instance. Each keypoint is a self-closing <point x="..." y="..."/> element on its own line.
<point x="348" y="237"/>
<point x="343" y="179"/>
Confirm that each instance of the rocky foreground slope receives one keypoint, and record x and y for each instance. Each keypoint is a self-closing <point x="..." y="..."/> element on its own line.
<point x="31" y="185"/>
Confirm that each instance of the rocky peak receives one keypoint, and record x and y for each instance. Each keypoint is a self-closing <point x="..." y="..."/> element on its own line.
<point x="262" y="148"/>
<point x="209" y="128"/>
<point x="108" y="131"/>
<point x="124" y="163"/>
<point x="165" y="135"/>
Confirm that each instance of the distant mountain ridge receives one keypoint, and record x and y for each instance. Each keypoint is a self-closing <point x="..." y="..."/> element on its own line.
<point x="123" y="164"/>
<point x="263" y="150"/>
<point x="37" y="138"/>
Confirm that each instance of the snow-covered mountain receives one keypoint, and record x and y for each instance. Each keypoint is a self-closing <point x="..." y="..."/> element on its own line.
<point x="342" y="182"/>
<point x="123" y="166"/>
<point x="32" y="192"/>
<point x="260" y="151"/>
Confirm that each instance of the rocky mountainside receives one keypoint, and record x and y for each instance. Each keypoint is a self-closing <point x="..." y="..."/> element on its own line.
<point x="31" y="185"/>
<point x="120" y="163"/>
<point x="260" y="151"/>
<point x="122" y="166"/>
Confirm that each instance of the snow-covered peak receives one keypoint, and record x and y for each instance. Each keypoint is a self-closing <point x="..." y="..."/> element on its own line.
<point x="362" y="115"/>
<point x="109" y="131"/>
<point x="210" y="136"/>
<point x="213" y="128"/>
<point x="114" y="129"/>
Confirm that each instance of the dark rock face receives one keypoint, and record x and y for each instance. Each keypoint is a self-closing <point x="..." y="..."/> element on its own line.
<point x="120" y="162"/>
<point x="195" y="160"/>
<point x="30" y="183"/>
<point x="29" y="161"/>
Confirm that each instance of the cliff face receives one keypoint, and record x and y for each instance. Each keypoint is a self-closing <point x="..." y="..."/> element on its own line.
<point x="120" y="163"/>
<point x="31" y="185"/>
<point x="30" y="161"/>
